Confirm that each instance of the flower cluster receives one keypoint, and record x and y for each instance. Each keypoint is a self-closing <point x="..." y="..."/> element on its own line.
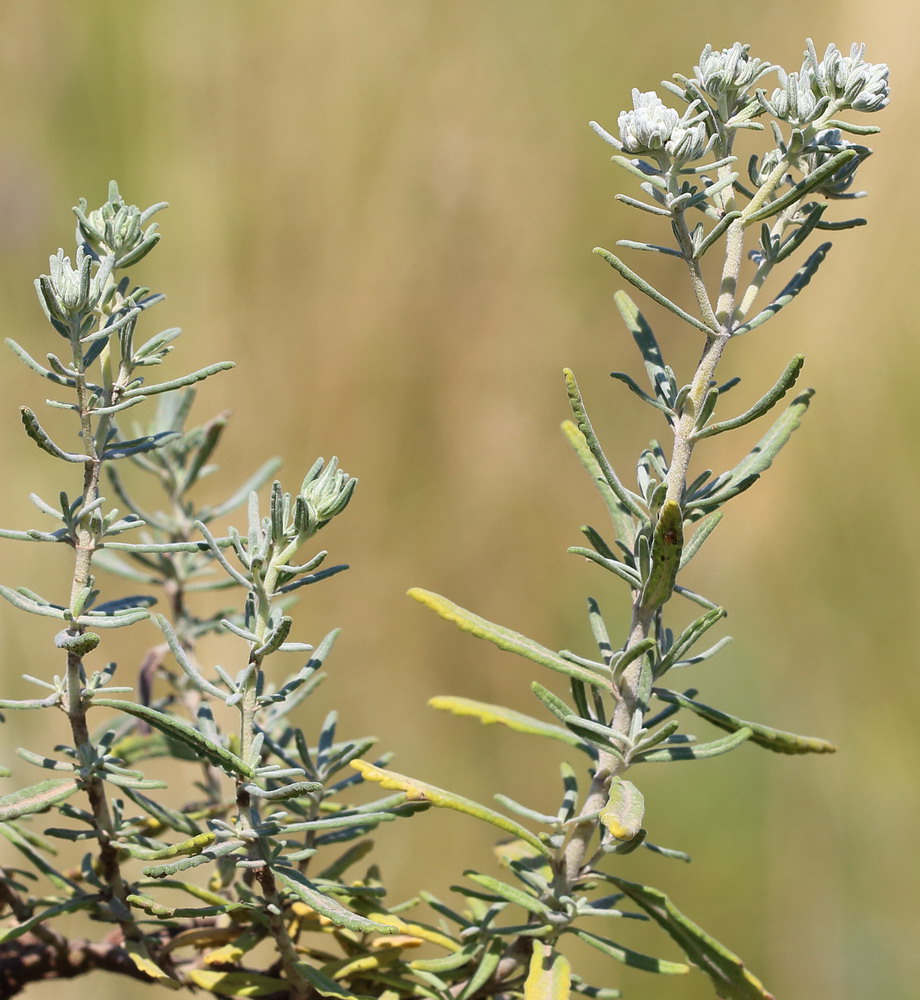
<point x="117" y="229"/>
<point x="652" y="126"/>
<point x="728" y="75"/>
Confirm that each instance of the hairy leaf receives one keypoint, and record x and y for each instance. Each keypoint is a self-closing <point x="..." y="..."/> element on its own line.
<point x="488" y="714"/>
<point x="549" y="976"/>
<point x="727" y="972"/>
<point x="764" y="736"/>
<point x="421" y="791"/>
<point x="505" y="638"/>
<point x="182" y="731"/>
<point x="36" y="798"/>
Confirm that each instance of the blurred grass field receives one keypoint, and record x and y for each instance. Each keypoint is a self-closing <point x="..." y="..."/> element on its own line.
<point x="384" y="213"/>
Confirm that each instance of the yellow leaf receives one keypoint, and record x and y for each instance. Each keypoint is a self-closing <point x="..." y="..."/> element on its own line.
<point x="549" y="976"/>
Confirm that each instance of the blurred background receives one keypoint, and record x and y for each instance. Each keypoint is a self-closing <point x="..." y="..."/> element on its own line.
<point x="384" y="213"/>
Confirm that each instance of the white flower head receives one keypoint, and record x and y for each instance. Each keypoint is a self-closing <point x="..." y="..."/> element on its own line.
<point x="729" y="73"/>
<point x="848" y="80"/>
<point x="652" y="126"/>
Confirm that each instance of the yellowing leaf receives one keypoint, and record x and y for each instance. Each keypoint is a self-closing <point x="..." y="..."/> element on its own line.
<point x="137" y="951"/>
<point x="624" y="810"/>
<point x="489" y="714"/>
<point x="236" y="984"/>
<point x="549" y="976"/>
<point x="420" y="791"/>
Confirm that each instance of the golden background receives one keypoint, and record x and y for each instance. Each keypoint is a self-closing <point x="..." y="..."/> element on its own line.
<point x="383" y="212"/>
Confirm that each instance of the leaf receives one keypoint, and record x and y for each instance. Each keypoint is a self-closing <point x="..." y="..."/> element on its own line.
<point x="183" y="732"/>
<point x="630" y="501"/>
<point x="327" y="987"/>
<point x="619" y="513"/>
<point x="549" y="976"/>
<point x="645" y="340"/>
<point x="489" y="714"/>
<point x="35" y="431"/>
<point x="137" y="951"/>
<point x="308" y="893"/>
<point x="510" y="893"/>
<point x="420" y="791"/>
<point x="795" y="285"/>
<point x="653" y="293"/>
<point x="624" y="811"/>
<point x="763" y="405"/>
<point x="236" y="984"/>
<point x="727" y="972"/>
<point x="764" y="736"/>
<point x="36" y="798"/>
<point x="760" y="458"/>
<point x="667" y="543"/>
<point x="68" y="906"/>
<point x="505" y="638"/>
<point x="695" y="751"/>
<point x="627" y="956"/>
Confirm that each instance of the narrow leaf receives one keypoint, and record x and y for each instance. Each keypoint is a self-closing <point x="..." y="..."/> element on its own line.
<point x="629" y="500"/>
<point x="764" y="736"/>
<point x="420" y="791"/>
<point x="182" y="731"/>
<point x="36" y="798"/>
<point x="798" y="281"/>
<point x="763" y="405"/>
<point x="489" y="714"/>
<point x="68" y="906"/>
<point x="236" y="984"/>
<point x="627" y="956"/>
<point x="308" y="893"/>
<point x="505" y="638"/>
<point x="619" y="513"/>
<point x="697" y="751"/>
<point x="35" y="431"/>
<point x="727" y="972"/>
<point x="648" y="290"/>
<point x="798" y="191"/>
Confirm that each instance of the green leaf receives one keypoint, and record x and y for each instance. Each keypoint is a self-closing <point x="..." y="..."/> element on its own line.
<point x="624" y="811"/>
<point x="327" y="987"/>
<point x="184" y="733"/>
<point x="489" y="714"/>
<point x="308" y="893"/>
<point x="510" y="893"/>
<point x="420" y="791"/>
<point x="619" y="513"/>
<point x="627" y="956"/>
<point x="727" y="972"/>
<point x="764" y="736"/>
<point x="36" y="798"/>
<point x="629" y="500"/>
<point x="236" y="984"/>
<point x="549" y="976"/>
<point x="506" y="639"/>
<point x="667" y="544"/>
<point x="645" y="340"/>
<point x="691" y="634"/>
<point x="815" y="179"/>
<point x="763" y="405"/>
<point x="68" y="906"/>
<point x="648" y="290"/>
<point x="178" y="383"/>
<point x="760" y="458"/>
<point x="795" y="285"/>
<point x="696" y="751"/>
<point x="35" y="431"/>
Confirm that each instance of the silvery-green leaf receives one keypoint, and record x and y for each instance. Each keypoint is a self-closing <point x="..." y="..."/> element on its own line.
<point x="184" y="733"/>
<point x="36" y="798"/>
<point x="505" y="638"/>
<point x="765" y="736"/>
<point x="727" y="972"/>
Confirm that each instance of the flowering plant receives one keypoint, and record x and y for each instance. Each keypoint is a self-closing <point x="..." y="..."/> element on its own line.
<point x="277" y="820"/>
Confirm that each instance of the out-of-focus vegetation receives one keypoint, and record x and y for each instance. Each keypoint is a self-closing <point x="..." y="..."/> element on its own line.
<point x="405" y="195"/>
